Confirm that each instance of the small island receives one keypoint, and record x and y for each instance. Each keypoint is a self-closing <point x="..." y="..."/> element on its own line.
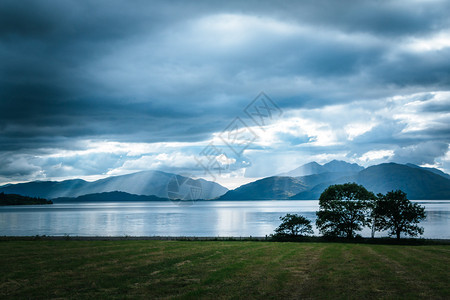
<point x="14" y="199"/>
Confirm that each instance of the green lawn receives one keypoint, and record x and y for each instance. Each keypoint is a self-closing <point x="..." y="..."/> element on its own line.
<point x="221" y="269"/>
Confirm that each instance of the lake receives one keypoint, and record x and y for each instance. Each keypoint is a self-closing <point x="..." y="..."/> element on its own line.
<point x="203" y="218"/>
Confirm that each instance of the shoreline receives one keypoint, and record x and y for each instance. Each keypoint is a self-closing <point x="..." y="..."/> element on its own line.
<point x="306" y="239"/>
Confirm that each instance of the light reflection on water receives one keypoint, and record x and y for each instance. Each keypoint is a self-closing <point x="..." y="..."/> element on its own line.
<point x="215" y="218"/>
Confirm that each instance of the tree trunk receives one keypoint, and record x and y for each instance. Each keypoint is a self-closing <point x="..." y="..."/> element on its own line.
<point x="373" y="229"/>
<point x="398" y="234"/>
<point x="349" y="234"/>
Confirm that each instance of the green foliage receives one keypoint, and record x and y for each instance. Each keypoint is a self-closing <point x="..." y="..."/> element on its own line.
<point x="394" y="212"/>
<point x="344" y="209"/>
<point x="294" y="225"/>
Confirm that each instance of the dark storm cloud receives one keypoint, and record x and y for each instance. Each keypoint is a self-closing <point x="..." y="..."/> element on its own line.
<point x="140" y="71"/>
<point x="437" y="107"/>
<point x="430" y="69"/>
<point x="45" y="90"/>
<point x="423" y="153"/>
<point x="392" y="19"/>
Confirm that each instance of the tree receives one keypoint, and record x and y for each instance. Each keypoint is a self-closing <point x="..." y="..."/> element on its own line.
<point x="394" y="212"/>
<point x="374" y="217"/>
<point x="294" y="225"/>
<point x="344" y="209"/>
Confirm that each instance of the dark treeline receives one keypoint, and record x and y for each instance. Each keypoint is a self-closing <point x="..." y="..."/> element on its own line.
<point x="13" y="199"/>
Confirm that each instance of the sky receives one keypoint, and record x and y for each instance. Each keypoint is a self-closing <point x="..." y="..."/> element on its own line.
<point x="226" y="90"/>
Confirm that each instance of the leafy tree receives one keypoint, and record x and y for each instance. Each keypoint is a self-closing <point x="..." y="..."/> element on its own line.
<point x="294" y="225"/>
<point x="374" y="216"/>
<point x="344" y="209"/>
<point x="394" y="212"/>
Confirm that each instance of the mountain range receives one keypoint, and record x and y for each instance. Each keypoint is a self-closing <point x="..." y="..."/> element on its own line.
<point x="419" y="183"/>
<point x="269" y="188"/>
<point x="156" y="183"/>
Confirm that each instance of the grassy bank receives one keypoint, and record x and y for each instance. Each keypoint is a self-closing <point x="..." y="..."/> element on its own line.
<point x="207" y="269"/>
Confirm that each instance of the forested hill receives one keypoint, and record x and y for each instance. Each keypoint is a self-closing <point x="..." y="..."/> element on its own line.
<point x="13" y="199"/>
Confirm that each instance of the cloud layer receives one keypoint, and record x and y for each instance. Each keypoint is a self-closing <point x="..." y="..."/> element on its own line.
<point x="84" y="83"/>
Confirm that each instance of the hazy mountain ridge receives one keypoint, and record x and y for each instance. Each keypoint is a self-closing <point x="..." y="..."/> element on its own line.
<point x="142" y="183"/>
<point x="266" y="189"/>
<point x="275" y="187"/>
<point x="45" y="189"/>
<point x="433" y="170"/>
<point x="109" y="196"/>
<point x="419" y="183"/>
<point x="314" y="168"/>
<point x="342" y="166"/>
<point x="305" y="170"/>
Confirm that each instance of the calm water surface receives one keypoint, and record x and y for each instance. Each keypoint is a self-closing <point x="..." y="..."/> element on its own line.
<point x="216" y="218"/>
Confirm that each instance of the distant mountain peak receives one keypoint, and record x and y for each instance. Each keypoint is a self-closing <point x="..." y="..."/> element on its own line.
<point x="306" y="169"/>
<point x="313" y="168"/>
<point x="312" y="163"/>
<point x="342" y="166"/>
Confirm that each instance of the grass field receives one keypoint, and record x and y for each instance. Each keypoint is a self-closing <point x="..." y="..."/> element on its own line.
<point x="192" y="270"/>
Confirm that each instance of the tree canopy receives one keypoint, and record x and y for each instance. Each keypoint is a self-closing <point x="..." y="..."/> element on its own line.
<point x="344" y="209"/>
<point x="294" y="225"/>
<point x="395" y="213"/>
